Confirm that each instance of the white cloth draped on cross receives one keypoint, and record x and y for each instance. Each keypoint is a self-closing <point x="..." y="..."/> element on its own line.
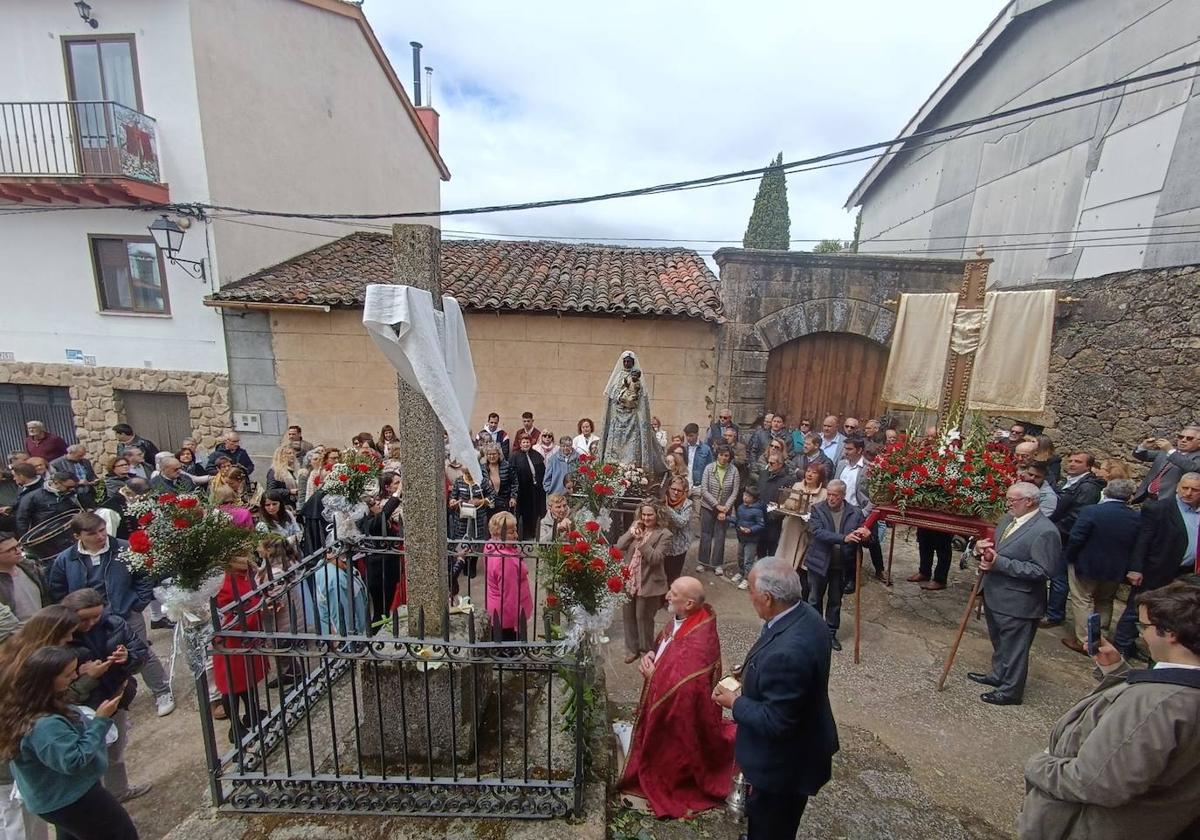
<point x="429" y="350"/>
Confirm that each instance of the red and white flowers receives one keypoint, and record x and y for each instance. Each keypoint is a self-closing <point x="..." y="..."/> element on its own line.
<point x="181" y="537"/>
<point x="966" y="482"/>
<point x="584" y="572"/>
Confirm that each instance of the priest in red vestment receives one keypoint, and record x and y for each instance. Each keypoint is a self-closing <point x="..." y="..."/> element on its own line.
<point x="681" y="752"/>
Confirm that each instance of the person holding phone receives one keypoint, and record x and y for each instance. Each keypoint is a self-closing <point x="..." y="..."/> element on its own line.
<point x="110" y="653"/>
<point x="1122" y="761"/>
<point x="57" y="755"/>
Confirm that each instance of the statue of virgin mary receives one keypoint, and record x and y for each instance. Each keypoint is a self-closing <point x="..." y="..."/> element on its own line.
<point x="627" y="436"/>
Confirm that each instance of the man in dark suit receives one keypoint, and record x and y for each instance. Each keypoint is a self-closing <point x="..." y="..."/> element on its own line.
<point x="1167" y="463"/>
<point x="786" y="735"/>
<point x="1078" y="490"/>
<point x="1097" y="557"/>
<point x="77" y="463"/>
<point x="810" y="456"/>
<point x="833" y="553"/>
<point x="1025" y="553"/>
<point x="1165" y="549"/>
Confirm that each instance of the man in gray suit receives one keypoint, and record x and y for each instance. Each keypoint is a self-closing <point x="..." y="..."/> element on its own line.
<point x="1167" y="463"/>
<point x="1025" y="553"/>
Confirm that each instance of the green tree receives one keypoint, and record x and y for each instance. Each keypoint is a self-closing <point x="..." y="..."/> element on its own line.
<point x="770" y="227"/>
<point x="830" y="246"/>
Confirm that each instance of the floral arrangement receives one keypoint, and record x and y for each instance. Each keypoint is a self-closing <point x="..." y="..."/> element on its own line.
<point x="180" y="537"/>
<point x="584" y="573"/>
<point x="598" y="483"/>
<point x="349" y="477"/>
<point x="946" y="476"/>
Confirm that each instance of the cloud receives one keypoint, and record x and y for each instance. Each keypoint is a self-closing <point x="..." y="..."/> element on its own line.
<point x="544" y="100"/>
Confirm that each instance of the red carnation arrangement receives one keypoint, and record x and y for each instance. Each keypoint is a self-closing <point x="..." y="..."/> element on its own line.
<point x="597" y="484"/>
<point x="967" y="479"/>
<point x="580" y="571"/>
<point x="182" y="538"/>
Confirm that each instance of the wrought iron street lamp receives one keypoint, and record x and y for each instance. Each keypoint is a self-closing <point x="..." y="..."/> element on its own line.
<point x="168" y="236"/>
<point x="85" y="12"/>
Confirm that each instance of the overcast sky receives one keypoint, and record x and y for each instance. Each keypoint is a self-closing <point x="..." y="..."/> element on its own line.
<point x="544" y="100"/>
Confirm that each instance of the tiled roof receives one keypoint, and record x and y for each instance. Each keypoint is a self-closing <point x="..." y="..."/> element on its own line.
<point x="493" y="275"/>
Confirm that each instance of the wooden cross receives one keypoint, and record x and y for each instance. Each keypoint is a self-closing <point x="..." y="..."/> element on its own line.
<point x="959" y="365"/>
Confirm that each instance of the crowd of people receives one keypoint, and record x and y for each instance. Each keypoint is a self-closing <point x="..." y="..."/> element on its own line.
<point x="74" y="627"/>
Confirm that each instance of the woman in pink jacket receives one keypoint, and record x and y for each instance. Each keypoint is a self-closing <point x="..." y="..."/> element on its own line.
<point x="508" y="594"/>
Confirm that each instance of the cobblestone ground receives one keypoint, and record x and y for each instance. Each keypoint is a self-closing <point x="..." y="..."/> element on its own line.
<point x="915" y="763"/>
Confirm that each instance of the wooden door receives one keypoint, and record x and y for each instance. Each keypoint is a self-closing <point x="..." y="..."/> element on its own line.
<point x="161" y="418"/>
<point x="826" y="373"/>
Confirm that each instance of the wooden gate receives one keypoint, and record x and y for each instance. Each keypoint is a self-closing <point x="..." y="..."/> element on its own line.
<point x="826" y="373"/>
<point x="161" y="418"/>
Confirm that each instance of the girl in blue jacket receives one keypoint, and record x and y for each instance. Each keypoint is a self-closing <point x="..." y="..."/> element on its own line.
<point x="58" y="757"/>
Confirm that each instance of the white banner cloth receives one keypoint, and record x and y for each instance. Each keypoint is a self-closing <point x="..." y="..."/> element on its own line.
<point x="429" y="350"/>
<point x="917" y="361"/>
<point x="1013" y="360"/>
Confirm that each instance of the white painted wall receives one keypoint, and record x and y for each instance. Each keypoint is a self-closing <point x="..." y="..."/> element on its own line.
<point x="1131" y="163"/>
<point x="46" y="276"/>
<point x="299" y="116"/>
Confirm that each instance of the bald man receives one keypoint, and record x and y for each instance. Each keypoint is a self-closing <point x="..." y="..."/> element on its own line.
<point x="681" y="751"/>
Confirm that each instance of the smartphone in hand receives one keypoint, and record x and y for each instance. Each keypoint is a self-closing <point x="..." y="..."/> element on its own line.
<point x="1093" y="633"/>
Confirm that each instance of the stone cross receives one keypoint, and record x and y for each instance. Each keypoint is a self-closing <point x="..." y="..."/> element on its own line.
<point x="417" y="263"/>
<point x="959" y="365"/>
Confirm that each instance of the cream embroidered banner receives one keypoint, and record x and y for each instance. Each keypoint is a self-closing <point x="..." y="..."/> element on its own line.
<point x="917" y="362"/>
<point x="1013" y="358"/>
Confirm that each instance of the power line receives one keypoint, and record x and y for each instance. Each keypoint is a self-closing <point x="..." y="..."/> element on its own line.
<point x="729" y="177"/>
<point x="1150" y="238"/>
<point x="795" y="167"/>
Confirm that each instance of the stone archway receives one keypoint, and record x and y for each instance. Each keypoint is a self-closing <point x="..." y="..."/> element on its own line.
<point x="772" y="298"/>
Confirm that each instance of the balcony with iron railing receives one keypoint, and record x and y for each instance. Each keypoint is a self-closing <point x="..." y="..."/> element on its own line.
<point x="78" y="152"/>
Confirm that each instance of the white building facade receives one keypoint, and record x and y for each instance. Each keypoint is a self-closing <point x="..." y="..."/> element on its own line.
<point x="279" y="104"/>
<point x="1106" y="183"/>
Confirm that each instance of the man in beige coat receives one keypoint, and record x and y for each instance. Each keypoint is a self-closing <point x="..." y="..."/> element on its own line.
<point x="1124" y="762"/>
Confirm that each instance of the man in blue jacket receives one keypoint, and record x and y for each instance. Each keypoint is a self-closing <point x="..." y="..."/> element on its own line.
<point x="93" y="562"/>
<point x="699" y="453"/>
<point x="1099" y="548"/>
<point x="833" y="553"/>
<point x="786" y="734"/>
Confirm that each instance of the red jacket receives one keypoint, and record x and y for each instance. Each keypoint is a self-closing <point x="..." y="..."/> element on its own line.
<point x="235" y="674"/>
<point x="49" y="447"/>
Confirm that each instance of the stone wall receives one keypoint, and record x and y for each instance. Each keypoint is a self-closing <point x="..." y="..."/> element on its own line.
<point x="1123" y="360"/>
<point x="335" y="382"/>
<point x="97" y="406"/>
<point x="773" y="297"/>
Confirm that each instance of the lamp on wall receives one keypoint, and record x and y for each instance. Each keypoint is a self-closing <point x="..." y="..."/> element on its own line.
<point x="85" y="12"/>
<point x="168" y="236"/>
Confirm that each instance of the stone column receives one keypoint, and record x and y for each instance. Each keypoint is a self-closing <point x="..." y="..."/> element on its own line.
<point x="418" y="264"/>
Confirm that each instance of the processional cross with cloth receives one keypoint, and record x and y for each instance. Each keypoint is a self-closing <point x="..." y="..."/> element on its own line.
<point x="972" y="350"/>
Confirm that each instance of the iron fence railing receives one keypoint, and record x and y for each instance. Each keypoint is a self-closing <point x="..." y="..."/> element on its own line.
<point x="330" y="713"/>
<point x="78" y="139"/>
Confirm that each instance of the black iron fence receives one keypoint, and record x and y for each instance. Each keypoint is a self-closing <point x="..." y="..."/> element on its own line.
<point x="327" y="712"/>
<point x="77" y="139"/>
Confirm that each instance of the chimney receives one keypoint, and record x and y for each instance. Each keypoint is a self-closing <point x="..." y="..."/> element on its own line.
<point x="429" y="86"/>
<point x="416" y="48"/>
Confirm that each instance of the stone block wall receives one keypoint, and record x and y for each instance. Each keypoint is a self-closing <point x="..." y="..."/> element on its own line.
<point x="96" y="403"/>
<point x="773" y="297"/>
<point x="1123" y="359"/>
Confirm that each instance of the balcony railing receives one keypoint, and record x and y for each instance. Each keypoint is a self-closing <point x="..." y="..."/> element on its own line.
<point x="77" y="140"/>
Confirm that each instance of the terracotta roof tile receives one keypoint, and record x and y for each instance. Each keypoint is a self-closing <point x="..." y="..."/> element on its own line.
<point x="496" y="275"/>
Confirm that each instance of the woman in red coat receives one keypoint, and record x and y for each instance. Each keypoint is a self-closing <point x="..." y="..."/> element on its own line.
<point x="236" y="676"/>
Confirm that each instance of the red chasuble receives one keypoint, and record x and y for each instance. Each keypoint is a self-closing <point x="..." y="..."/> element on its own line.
<point x="681" y="751"/>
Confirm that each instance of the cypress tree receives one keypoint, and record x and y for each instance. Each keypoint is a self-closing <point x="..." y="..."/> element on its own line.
<point x="770" y="226"/>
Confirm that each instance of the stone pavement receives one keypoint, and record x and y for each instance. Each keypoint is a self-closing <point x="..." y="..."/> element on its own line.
<point x="915" y="763"/>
